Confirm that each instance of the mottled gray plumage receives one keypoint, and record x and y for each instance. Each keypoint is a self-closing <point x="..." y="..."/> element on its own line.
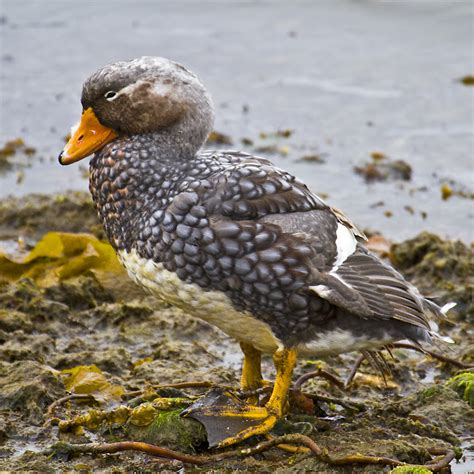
<point x="233" y="222"/>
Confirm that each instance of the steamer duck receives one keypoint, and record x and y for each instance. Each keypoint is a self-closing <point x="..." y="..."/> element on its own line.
<point x="229" y="237"/>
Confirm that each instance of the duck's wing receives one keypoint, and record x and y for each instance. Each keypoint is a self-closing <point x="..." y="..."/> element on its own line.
<point x="347" y="275"/>
<point x="383" y="292"/>
<point x="272" y="234"/>
<point x="253" y="187"/>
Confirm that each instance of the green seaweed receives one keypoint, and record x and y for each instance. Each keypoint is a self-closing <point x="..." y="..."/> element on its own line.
<point x="463" y="384"/>
<point x="166" y="428"/>
<point x="410" y="470"/>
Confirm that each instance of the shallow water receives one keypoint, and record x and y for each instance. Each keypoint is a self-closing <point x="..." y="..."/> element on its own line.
<point x="349" y="77"/>
<point x="466" y="466"/>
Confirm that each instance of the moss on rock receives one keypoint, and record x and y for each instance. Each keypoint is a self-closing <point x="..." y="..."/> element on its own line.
<point x="165" y="428"/>
<point x="444" y="268"/>
<point x="463" y="384"/>
<point x="29" y="388"/>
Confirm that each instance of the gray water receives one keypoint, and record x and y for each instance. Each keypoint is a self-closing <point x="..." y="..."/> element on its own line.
<point x="348" y="76"/>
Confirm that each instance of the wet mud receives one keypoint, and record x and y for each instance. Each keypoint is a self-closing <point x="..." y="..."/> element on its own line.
<point x="86" y="356"/>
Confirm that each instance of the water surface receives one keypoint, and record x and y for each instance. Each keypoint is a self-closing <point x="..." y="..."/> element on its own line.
<point x="349" y="77"/>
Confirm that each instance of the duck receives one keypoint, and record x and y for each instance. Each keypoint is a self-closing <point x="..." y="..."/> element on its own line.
<point x="232" y="239"/>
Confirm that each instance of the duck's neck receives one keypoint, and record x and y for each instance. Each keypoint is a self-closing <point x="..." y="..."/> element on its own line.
<point x="134" y="178"/>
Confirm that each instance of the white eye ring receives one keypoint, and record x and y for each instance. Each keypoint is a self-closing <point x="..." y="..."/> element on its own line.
<point x="110" y="95"/>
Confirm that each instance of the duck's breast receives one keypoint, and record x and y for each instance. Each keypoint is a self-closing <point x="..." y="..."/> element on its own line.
<point x="212" y="306"/>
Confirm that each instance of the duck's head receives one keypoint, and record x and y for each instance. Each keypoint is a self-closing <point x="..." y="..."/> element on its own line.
<point x="147" y="95"/>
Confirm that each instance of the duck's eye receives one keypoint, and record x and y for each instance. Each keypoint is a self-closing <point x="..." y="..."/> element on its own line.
<point x="110" y="95"/>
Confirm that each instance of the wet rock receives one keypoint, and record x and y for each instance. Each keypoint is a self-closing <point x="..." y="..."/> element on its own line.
<point x="116" y="361"/>
<point x="29" y="462"/>
<point x="314" y="158"/>
<point x="84" y="293"/>
<point x="218" y="138"/>
<point x="14" y="155"/>
<point x="27" y="297"/>
<point x="21" y="347"/>
<point x="29" y="388"/>
<point x="381" y="168"/>
<point x="165" y="428"/>
<point x="34" y="215"/>
<point x="192" y="366"/>
<point x="463" y="384"/>
<point x="11" y="320"/>
<point x="467" y="80"/>
<point x="443" y="268"/>
<point x="117" y="313"/>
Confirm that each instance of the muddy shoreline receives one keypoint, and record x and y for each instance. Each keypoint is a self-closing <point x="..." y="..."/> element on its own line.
<point x="91" y="331"/>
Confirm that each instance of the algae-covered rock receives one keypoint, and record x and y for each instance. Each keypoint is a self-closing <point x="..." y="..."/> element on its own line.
<point x="34" y="215"/>
<point x="156" y="422"/>
<point x="11" y="320"/>
<point x="192" y="366"/>
<point x="29" y="388"/>
<point x="26" y="347"/>
<point x="438" y="406"/>
<point x="463" y="384"/>
<point x="29" y="462"/>
<point x="410" y="470"/>
<point x="115" y="360"/>
<point x="443" y="268"/>
<point x="382" y="168"/>
<point x="150" y="424"/>
<point x="139" y="344"/>
<point x="84" y="292"/>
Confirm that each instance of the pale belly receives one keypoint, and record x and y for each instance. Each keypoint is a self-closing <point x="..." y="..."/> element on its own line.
<point x="213" y="307"/>
<point x="216" y="308"/>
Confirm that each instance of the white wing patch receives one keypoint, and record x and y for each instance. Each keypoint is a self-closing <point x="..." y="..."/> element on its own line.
<point x="346" y="244"/>
<point x="322" y="290"/>
<point x="448" y="306"/>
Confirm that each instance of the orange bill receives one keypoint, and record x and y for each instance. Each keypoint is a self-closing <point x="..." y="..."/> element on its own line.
<point x="89" y="137"/>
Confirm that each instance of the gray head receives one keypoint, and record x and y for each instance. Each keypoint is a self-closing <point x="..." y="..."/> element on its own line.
<point x="144" y="96"/>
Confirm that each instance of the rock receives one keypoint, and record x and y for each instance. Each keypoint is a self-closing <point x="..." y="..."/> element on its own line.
<point x="441" y="267"/>
<point x="165" y="428"/>
<point x="219" y="138"/>
<point x="114" y="360"/>
<point x="382" y="168"/>
<point x="27" y="347"/>
<point x="11" y="320"/>
<point x="29" y="388"/>
<point x="36" y="214"/>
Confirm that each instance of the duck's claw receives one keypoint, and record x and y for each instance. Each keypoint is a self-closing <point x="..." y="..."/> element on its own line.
<point x="228" y="420"/>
